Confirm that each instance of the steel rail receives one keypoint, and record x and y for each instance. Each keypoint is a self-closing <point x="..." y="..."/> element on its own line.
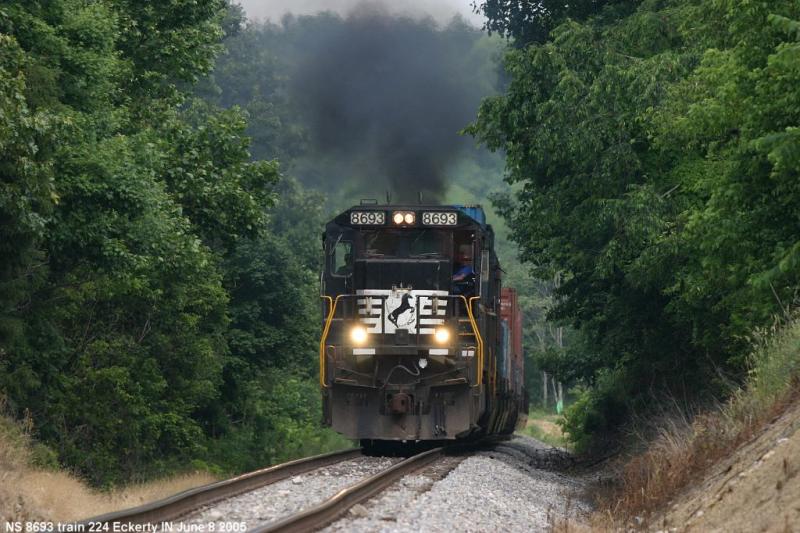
<point x="180" y="504"/>
<point x="328" y="511"/>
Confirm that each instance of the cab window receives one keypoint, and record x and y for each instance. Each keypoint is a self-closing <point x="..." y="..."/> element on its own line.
<point x="342" y="263"/>
<point x="404" y="243"/>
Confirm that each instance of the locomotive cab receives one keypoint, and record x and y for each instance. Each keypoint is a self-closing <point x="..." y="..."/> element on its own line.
<point x="411" y="325"/>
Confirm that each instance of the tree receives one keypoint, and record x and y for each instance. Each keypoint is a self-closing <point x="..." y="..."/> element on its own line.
<point x="27" y="194"/>
<point x="531" y="21"/>
<point x="657" y="168"/>
<point x="731" y="129"/>
<point x="122" y="206"/>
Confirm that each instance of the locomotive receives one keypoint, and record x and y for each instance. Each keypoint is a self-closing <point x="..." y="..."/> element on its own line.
<point x="420" y="342"/>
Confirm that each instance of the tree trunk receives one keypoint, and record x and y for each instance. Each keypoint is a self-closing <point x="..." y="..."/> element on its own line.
<point x="544" y="389"/>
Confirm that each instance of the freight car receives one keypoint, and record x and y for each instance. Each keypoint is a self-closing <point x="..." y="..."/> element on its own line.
<point x="419" y="340"/>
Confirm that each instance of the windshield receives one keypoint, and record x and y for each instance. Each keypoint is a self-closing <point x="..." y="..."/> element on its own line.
<point x="404" y="243"/>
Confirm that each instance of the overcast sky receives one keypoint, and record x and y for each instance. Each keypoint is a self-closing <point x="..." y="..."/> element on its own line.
<point x="441" y="10"/>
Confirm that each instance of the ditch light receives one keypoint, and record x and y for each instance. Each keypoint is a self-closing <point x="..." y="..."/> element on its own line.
<point x="358" y="334"/>
<point x="442" y="335"/>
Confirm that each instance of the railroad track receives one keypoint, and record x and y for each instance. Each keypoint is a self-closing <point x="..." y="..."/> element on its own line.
<point x="315" y="517"/>
<point x="328" y="511"/>
<point x="180" y="504"/>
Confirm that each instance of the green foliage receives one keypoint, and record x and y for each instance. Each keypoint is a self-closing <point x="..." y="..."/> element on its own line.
<point x="166" y="42"/>
<point x="655" y="157"/>
<point x="597" y="410"/>
<point x="272" y="337"/>
<point x="543" y="426"/>
<point x="532" y="21"/>
<point x="737" y="115"/>
<point x="26" y="183"/>
<point x="276" y="427"/>
<point x="153" y="298"/>
<point x="205" y="164"/>
<point x="253" y="73"/>
<point x="773" y="368"/>
<point x="278" y="328"/>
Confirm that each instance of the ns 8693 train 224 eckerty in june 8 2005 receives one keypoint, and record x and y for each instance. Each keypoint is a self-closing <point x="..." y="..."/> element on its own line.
<point x="419" y="342"/>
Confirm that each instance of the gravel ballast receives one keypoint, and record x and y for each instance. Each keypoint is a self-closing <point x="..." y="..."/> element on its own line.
<point x="286" y="497"/>
<point x="516" y="486"/>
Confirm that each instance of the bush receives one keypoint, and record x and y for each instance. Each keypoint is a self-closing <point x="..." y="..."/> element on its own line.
<point x="596" y="412"/>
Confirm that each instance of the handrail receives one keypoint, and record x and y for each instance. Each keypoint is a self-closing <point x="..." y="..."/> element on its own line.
<point x="332" y="303"/>
<point x="468" y="305"/>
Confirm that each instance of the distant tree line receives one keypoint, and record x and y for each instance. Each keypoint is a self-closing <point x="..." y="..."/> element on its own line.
<point x="655" y="147"/>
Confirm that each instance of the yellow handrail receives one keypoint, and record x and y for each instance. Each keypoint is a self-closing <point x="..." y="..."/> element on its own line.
<point x="468" y="305"/>
<point x="332" y="303"/>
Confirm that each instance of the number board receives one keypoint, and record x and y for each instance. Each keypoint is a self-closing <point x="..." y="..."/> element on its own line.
<point x="440" y="218"/>
<point x="367" y="218"/>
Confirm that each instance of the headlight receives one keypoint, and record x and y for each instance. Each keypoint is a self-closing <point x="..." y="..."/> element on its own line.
<point x="442" y="335"/>
<point x="404" y="218"/>
<point x="358" y="334"/>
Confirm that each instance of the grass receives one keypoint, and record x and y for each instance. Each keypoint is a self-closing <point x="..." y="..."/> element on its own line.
<point x="543" y="425"/>
<point x="685" y="446"/>
<point x="32" y="492"/>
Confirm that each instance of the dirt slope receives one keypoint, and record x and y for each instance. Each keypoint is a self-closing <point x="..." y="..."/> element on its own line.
<point x="756" y="488"/>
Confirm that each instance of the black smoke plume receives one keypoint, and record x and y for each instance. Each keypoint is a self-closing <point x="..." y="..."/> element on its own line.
<point x="383" y="99"/>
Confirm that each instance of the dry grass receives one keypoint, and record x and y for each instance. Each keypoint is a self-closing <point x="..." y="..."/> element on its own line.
<point x="685" y="447"/>
<point x="677" y="457"/>
<point x="59" y="497"/>
<point x="30" y="493"/>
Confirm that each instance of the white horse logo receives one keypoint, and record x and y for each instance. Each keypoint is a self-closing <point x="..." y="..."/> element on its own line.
<point x="402" y="312"/>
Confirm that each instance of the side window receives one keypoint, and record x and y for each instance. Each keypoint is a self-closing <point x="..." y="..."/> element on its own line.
<point x="485" y="265"/>
<point x="342" y="264"/>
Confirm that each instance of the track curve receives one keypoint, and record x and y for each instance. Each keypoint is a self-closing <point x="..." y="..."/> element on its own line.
<point x="328" y="511"/>
<point x="173" y="507"/>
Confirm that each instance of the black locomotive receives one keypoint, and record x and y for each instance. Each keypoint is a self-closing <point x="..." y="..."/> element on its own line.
<point x="419" y="342"/>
